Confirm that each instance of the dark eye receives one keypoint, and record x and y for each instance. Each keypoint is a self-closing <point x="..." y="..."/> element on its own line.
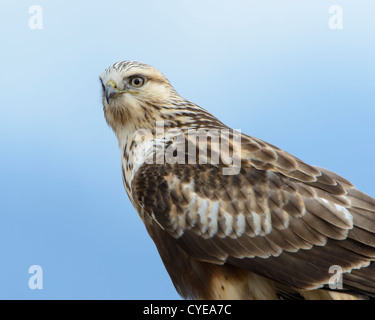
<point x="137" y="82"/>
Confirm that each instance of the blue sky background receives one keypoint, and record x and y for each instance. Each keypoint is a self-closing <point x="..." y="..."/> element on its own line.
<point x="273" y="69"/>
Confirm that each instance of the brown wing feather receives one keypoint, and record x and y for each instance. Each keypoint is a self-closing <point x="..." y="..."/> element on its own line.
<point x="278" y="217"/>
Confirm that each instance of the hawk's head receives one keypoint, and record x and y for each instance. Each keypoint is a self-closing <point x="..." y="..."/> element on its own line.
<point x="133" y="92"/>
<point x="138" y="96"/>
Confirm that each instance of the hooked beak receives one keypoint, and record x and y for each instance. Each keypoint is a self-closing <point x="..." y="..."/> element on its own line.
<point x="110" y="91"/>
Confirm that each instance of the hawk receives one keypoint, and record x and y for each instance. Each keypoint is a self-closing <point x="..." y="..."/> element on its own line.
<point x="274" y="227"/>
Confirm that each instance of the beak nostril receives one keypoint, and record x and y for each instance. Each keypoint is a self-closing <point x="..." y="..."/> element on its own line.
<point x="112" y="84"/>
